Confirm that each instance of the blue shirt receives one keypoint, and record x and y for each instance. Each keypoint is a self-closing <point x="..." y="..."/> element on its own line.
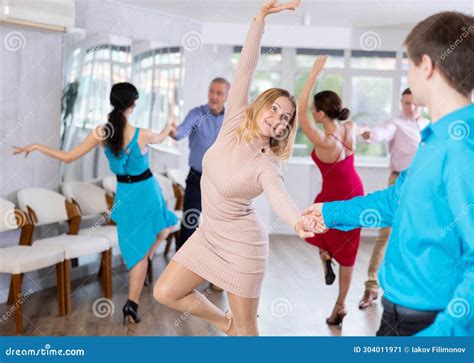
<point x="429" y="262"/>
<point x="202" y="127"/>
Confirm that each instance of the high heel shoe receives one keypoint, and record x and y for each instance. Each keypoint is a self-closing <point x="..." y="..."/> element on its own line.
<point x="149" y="273"/>
<point x="337" y="316"/>
<point x="329" y="276"/>
<point x="130" y="312"/>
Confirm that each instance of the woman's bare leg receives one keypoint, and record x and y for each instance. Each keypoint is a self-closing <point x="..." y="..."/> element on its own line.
<point x="137" y="278"/>
<point x="345" y="278"/>
<point x="160" y="238"/>
<point x="138" y="272"/>
<point x="244" y="312"/>
<point x="175" y="289"/>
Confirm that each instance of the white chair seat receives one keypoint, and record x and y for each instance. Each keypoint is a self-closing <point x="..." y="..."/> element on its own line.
<point x="21" y="259"/>
<point x="109" y="232"/>
<point x="76" y="246"/>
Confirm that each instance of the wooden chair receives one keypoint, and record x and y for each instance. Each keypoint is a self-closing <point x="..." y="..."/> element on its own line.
<point x="92" y="202"/>
<point x="45" y="207"/>
<point x="20" y="259"/>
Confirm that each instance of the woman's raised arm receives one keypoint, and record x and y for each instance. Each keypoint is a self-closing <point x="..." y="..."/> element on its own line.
<point x="316" y="136"/>
<point x="240" y="90"/>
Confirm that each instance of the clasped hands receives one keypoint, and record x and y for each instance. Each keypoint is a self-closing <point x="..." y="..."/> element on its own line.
<point x="312" y="222"/>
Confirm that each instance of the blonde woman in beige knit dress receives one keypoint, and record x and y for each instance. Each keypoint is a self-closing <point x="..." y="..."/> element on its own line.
<point x="230" y="247"/>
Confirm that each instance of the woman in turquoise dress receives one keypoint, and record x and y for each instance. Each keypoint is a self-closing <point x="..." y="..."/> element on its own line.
<point x="140" y="211"/>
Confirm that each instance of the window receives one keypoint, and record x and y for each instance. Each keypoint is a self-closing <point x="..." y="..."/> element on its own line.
<point x="102" y="66"/>
<point x="268" y="73"/>
<point x="157" y="74"/>
<point x="371" y="105"/>
<point x="373" y="60"/>
<point x="305" y="57"/>
<point x="331" y="79"/>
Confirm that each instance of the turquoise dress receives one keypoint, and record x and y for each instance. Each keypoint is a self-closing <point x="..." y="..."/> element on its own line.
<point x="139" y="209"/>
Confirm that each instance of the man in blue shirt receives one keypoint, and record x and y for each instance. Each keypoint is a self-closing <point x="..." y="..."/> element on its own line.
<point x="201" y="126"/>
<point x="428" y="271"/>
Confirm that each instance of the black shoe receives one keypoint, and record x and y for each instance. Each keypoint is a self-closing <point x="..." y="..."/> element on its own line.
<point x="149" y="273"/>
<point x="130" y="311"/>
<point x="330" y="275"/>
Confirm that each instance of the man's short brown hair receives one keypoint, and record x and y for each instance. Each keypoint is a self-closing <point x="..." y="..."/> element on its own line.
<point x="448" y="39"/>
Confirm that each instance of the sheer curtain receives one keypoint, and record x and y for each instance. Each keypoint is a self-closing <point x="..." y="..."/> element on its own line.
<point x="91" y="66"/>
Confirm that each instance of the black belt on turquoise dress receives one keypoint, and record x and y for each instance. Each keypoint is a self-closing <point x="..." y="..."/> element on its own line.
<point x="134" y="178"/>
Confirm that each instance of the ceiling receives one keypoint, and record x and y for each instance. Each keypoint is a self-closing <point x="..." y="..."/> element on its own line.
<point x="399" y="14"/>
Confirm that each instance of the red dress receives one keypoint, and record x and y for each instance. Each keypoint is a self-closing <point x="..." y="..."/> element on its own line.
<point x="340" y="182"/>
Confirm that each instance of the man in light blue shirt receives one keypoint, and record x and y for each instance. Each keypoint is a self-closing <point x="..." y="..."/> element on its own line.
<point x="428" y="271"/>
<point x="201" y="126"/>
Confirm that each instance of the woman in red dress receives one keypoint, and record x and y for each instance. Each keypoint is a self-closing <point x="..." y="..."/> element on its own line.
<point x="334" y="155"/>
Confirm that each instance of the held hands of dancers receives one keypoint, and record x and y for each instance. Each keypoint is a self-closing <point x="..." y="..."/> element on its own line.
<point x="312" y="222"/>
<point x="313" y="219"/>
<point x="272" y="7"/>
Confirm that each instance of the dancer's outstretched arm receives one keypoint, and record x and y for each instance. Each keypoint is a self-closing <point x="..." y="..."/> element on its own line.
<point x="378" y="134"/>
<point x="240" y="90"/>
<point x="373" y="210"/>
<point x="151" y="137"/>
<point x="316" y="136"/>
<point x="271" y="181"/>
<point x="91" y="141"/>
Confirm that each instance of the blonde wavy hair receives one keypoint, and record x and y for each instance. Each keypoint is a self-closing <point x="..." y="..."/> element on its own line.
<point x="281" y="146"/>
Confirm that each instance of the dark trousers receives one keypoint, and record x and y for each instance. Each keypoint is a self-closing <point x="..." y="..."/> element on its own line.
<point x="191" y="208"/>
<point x="399" y="320"/>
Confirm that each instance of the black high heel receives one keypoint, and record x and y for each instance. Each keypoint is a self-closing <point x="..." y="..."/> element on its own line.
<point x="330" y="275"/>
<point x="130" y="312"/>
<point x="149" y="273"/>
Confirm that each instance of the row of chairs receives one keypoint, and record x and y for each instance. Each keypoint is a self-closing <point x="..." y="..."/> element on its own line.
<point x="78" y="201"/>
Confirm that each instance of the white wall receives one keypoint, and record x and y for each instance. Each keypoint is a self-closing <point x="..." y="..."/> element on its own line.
<point x="30" y="106"/>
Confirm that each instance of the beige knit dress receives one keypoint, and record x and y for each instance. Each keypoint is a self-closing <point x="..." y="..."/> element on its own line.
<point x="230" y="247"/>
